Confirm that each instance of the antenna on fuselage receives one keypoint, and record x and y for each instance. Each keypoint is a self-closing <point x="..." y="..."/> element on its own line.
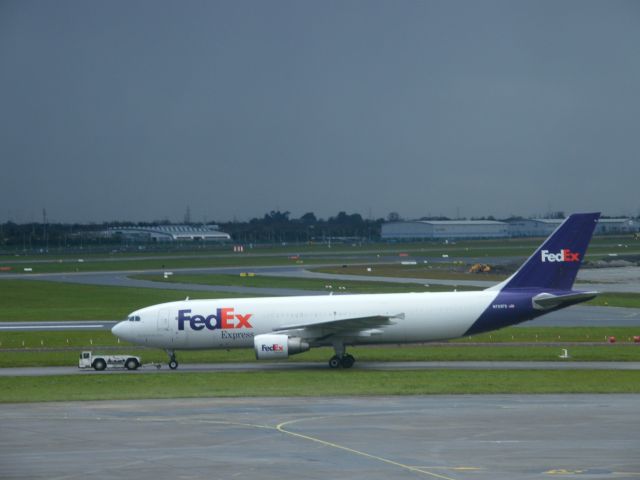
<point x="186" y="299"/>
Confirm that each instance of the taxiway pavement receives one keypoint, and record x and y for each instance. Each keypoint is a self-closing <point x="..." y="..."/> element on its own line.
<point x="448" y="437"/>
<point x="289" y="366"/>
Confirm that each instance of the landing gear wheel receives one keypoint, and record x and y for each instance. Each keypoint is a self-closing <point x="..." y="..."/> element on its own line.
<point x="173" y="363"/>
<point x="347" y="361"/>
<point x="334" y="362"/>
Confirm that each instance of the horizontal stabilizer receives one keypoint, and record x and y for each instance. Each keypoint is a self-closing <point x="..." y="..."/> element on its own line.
<point x="548" y="301"/>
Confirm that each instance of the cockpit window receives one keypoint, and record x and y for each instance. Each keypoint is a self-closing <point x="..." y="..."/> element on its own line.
<point x="134" y="318"/>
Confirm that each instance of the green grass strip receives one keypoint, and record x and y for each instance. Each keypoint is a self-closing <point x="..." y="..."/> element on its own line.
<point x="32" y="300"/>
<point x="554" y="334"/>
<point x="132" y="263"/>
<point x="603" y="353"/>
<point x="612" y="299"/>
<point x="265" y="281"/>
<point x="439" y="272"/>
<point x="615" y="299"/>
<point x="312" y="384"/>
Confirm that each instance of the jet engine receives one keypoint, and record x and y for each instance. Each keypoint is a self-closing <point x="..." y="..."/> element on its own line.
<point x="270" y="346"/>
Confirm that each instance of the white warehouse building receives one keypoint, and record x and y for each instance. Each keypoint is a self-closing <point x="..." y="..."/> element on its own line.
<point x="543" y="227"/>
<point x="444" y="229"/>
<point x="170" y="233"/>
<point x="458" y="229"/>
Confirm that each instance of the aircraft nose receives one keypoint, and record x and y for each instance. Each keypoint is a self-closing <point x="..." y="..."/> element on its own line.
<point x="119" y="329"/>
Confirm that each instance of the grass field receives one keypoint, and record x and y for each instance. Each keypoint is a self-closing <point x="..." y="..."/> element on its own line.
<point x="51" y="349"/>
<point x="24" y="300"/>
<point x="598" y="241"/>
<point x="221" y="256"/>
<point x="613" y="299"/>
<point x="307" y="384"/>
<point x="627" y="300"/>
<point x="137" y="264"/>
<point x="506" y="352"/>
<point x="31" y="300"/>
<point x="436" y="271"/>
<point x="265" y="281"/>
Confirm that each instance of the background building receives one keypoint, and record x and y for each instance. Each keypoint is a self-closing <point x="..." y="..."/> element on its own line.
<point x="533" y="227"/>
<point x="444" y="229"/>
<point x="542" y="227"/>
<point x="458" y="229"/>
<point x="170" y="233"/>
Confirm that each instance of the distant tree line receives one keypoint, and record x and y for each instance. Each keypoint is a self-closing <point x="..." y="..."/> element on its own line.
<point x="274" y="227"/>
<point x="278" y="227"/>
<point x="42" y="236"/>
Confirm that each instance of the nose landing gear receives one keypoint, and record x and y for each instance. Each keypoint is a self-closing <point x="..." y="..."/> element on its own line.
<point x="173" y="363"/>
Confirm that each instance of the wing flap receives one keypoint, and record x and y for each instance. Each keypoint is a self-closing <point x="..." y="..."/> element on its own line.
<point x="353" y="326"/>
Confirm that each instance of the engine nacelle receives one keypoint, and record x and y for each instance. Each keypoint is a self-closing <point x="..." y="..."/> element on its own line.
<point x="270" y="346"/>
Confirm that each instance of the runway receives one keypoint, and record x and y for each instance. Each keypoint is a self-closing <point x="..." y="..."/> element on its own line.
<point x="66" y="325"/>
<point x="289" y="366"/>
<point x="449" y="437"/>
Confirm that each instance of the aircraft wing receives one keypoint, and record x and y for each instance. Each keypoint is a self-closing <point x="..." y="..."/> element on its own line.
<point x="349" y="327"/>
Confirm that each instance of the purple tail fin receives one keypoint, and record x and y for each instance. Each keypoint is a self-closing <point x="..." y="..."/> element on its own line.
<point x="555" y="264"/>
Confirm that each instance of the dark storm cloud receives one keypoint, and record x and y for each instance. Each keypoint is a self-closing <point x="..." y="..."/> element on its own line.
<point x="134" y="110"/>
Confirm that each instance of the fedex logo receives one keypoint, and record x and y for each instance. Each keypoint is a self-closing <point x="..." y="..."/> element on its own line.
<point x="565" y="255"/>
<point x="272" y="348"/>
<point x="224" y="319"/>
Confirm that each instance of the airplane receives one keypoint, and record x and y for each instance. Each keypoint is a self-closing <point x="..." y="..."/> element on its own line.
<point x="277" y="327"/>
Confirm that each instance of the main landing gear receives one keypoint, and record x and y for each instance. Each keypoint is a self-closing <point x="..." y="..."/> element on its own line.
<point x="173" y="363"/>
<point x="346" y="361"/>
<point x="341" y="358"/>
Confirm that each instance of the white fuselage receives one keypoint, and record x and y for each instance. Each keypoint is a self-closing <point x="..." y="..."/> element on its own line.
<point x="233" y="323"/>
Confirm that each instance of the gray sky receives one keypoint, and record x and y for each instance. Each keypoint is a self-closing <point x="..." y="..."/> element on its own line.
<point x="132" y="110"/>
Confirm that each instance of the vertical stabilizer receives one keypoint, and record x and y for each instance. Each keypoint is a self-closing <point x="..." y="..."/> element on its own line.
<point x="555" y="264"/>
